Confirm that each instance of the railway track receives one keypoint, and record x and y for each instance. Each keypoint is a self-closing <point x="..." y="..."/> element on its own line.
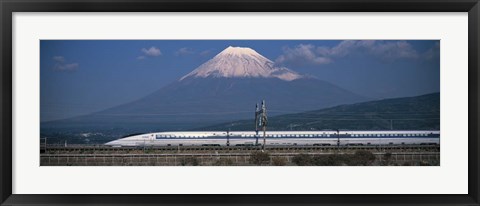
<point x="219" y="154"/>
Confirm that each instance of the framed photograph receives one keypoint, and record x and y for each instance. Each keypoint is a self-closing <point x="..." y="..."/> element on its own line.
<point x="210" y="102"/>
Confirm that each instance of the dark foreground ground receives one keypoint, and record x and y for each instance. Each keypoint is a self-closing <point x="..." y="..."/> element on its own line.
<point x="97" y="155"/>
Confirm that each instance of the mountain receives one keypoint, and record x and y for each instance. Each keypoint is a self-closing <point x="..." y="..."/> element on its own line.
<point x="225" y="88"/>
<point x="409" y="113"/>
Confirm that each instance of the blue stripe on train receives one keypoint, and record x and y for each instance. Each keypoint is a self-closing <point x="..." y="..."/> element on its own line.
<point x="314" y="137"/>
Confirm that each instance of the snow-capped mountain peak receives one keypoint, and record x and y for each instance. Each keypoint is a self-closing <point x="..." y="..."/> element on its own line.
<point x="241" y="62"/>
<point x="239" y="51"/>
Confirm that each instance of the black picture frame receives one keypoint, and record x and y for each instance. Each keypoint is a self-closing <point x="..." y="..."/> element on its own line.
<point x="7" y="7"/>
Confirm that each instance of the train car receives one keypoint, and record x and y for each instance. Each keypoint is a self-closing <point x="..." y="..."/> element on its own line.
<point x="305" y="138"/>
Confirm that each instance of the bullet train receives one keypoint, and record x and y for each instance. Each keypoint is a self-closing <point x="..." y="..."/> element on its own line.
<point x="276" y="138"/>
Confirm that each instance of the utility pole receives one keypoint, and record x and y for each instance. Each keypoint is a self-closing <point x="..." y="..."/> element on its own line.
<point x="391" y="124"/>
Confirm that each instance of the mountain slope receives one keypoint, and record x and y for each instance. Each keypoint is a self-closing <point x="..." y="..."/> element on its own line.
<point x="409" y="113"/>
<point x="224" y="88"/>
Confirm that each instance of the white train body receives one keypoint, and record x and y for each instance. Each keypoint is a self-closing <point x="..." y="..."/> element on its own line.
<point x="303" y="138"/>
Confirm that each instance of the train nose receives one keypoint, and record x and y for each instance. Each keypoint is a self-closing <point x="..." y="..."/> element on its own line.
<point x="112" y="143"/>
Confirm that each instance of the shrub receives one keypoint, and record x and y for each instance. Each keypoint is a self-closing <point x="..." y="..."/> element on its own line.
<point x="329" y="160"/>
<point x="362" y="157"/>
<point x="303" y="160"/>
<point x="260" y="158"/>
<point x="223" y="162"/>
<point x="189" y="161"/>
<point x="279" y="161"/>
<point x="387" y="156"/>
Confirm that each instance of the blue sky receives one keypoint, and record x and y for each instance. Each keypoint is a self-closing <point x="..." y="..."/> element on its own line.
<point x="83" y="76"/>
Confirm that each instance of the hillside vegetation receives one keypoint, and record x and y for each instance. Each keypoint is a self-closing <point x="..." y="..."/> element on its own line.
<point x="409" y="113"/>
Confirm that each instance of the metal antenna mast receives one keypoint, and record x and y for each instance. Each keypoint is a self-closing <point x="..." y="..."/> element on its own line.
<point x="257" y="112"/>
<point x="263" y="123"/>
